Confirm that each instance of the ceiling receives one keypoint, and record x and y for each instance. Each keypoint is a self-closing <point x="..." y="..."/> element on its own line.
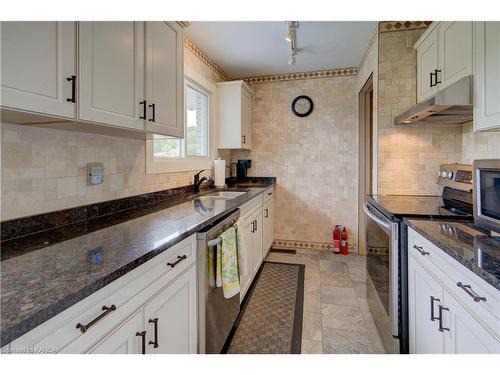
<point x="245" y="49"/>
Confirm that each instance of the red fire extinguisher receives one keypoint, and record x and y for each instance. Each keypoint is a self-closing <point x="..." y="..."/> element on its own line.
<point x="336" y="240"/>
<point x="344" y="249"/>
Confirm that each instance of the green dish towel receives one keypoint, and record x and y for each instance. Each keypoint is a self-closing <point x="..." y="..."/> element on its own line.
<point x="227" y="263"/>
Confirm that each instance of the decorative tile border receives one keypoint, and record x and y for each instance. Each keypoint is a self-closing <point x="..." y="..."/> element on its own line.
<point x="388" y="26"/>
<point x="301" y="75"/>
<point x="204" y="57"/>
<point x="295" y="244"/>
<point x="378" y="250"/>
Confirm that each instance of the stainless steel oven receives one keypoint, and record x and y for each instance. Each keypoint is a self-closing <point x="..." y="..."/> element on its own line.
<point x="486" y="176"/>
<point x="383" y="287"/>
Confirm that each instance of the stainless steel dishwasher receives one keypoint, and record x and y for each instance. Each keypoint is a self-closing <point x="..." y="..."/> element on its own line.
<point x="216" y="314"/>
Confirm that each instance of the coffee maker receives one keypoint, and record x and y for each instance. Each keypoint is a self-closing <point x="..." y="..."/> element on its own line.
<point x="241" y="169"/>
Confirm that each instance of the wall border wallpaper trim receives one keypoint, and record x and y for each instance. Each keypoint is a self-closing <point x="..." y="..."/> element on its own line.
<point x="207" y="60"/>
<point x="307" y="245"/>
<point x="342" y="72"/>
<point x="389" y="26"/>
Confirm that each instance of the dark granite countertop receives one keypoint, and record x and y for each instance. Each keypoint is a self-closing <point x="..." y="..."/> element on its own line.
<point x="399" y="206"/>
<point x="45" y="273"/>
<point x="465" y="243"/>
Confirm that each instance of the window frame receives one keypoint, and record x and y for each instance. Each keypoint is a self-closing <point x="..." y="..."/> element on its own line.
<point x="187" y="162"/>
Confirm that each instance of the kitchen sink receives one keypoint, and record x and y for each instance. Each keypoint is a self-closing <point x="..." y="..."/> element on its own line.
<point x="224" y="194"/>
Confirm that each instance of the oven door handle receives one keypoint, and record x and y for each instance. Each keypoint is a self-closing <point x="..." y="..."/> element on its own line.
<point x="376" y="219"/>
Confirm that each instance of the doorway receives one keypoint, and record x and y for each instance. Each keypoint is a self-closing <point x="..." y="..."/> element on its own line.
<point x="365" y="157"/>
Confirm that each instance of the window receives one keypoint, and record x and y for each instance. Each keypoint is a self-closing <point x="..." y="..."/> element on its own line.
<point x="170" y="154"/>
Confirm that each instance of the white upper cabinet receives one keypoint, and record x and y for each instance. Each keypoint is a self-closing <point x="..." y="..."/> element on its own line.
<point x="164" y="78"/>
<point x="38" y="66"/>
<point x="455" y="52"/>
<point x="486" y="75"/>
<point x="111" y="80"/>
<point x="427" y="63"/>
<point x="235" y="115"/>
<point x="444" y="56"/>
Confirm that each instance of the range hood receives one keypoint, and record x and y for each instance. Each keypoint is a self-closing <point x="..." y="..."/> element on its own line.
<point x="452" y="105"/>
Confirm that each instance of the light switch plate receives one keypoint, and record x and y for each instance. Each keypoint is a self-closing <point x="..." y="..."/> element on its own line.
<point x="95" y="173"/>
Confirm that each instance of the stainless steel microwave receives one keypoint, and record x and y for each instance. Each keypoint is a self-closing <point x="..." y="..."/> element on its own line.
<point x="486" y="179"/>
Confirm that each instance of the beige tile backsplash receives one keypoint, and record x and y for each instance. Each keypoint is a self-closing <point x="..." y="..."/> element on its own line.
<point x="44" y="170"/>
<point x="408" y="156"/>
<point x="314" y="158"/>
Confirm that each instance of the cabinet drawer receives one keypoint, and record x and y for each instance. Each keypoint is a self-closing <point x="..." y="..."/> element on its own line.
<point x="251" y="205"/>
<point x="268" y="194"/>
<point x="450" y="272"/>
<point x="61" y="330"/>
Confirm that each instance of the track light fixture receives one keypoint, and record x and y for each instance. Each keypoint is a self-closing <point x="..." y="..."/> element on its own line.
<point x="291" y="37"/>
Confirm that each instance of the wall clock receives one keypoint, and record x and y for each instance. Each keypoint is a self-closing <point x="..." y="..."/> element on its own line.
<point x="302" y="106"/>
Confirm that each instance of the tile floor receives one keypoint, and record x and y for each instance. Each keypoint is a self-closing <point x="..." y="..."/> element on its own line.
<point x="337" y="319"/>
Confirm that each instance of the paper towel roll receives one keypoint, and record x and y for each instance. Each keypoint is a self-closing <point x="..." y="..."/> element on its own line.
<point x="220" y="172"/>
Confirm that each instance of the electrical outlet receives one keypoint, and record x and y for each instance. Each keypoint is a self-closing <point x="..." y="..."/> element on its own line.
<point x="95" y="173"/>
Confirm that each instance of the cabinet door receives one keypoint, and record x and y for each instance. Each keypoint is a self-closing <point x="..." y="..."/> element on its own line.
<point x="257" y="240"/>
<point x="246" y="120"/>
<point x="455" y="52"/>
<point x="465" y="335"/>
<point x="246" y="273"/>
<point x="36" y="60"/>
<point x="164" y="78"/>
<point x="176" y="310"/>
<point x="427" y="62"/>
<point x="124" y="339"/>
<point x="111" y="57"/>
<point x="486" y="75"/>
<point x="425" y="338"/>
<point x="267" y="226"/>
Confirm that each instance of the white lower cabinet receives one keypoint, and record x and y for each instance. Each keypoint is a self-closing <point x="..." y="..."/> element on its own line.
<point x="126" y="339"/>
<point x="424" y="296"/>
<point x="158" y="289"/>
<point x="170" y="318"/>
<point x="256" y="241"/>
<point x="267" y="226"/>
<point x="463" y="333"/>
<point x="246" y="266"/>
<point x="442" y="317"/>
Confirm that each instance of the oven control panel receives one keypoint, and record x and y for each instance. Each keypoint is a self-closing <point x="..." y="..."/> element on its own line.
<point x="456" y="176"/>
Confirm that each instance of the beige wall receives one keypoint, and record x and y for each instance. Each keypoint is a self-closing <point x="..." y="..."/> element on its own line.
<point x="314" y="158"/>
<point x="45" y="170"/>
<point x="408" y="156"/>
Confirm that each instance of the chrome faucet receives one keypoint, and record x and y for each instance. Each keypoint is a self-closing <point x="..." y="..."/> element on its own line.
<point x="198" y="181"/>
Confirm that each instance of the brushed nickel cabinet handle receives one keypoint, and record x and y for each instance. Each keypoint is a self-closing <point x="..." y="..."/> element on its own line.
<point x="433" y="299"/>
<point x="420" y="249"/>
<point x="468" y="289"/>
<point x="440" y="318"/>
